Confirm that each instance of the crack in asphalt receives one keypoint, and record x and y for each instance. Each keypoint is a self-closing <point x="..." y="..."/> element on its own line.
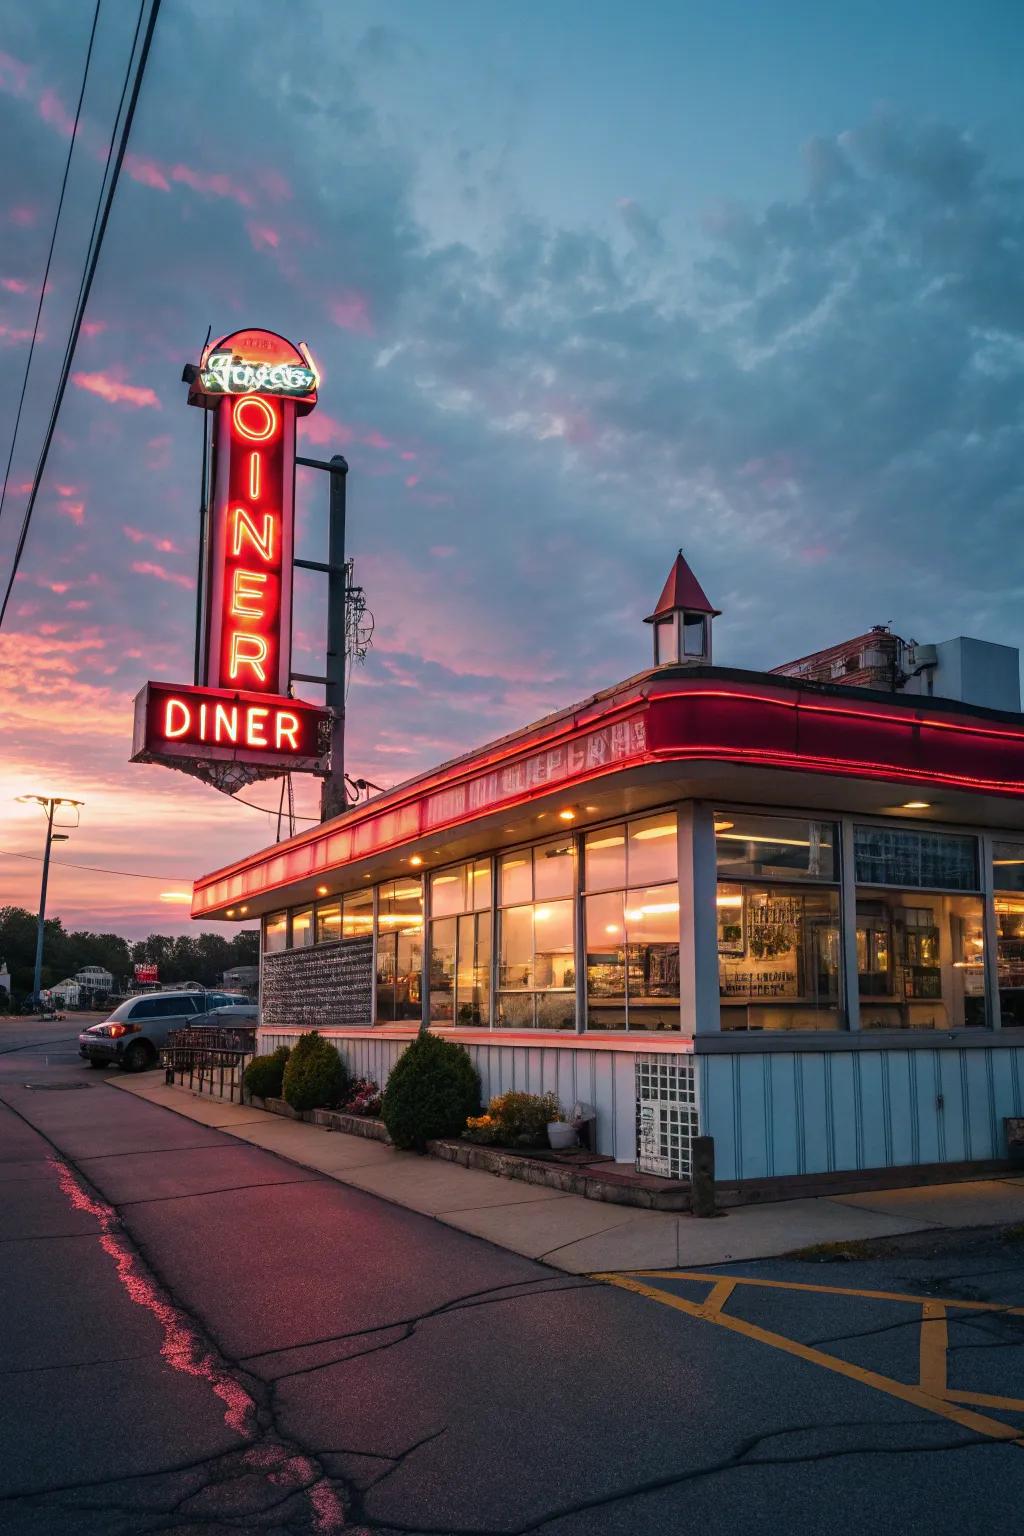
<point x="481" y="1298"/>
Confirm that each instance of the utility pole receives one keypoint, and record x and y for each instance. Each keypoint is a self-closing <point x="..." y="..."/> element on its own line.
<point x="333" y="796"/>
<point x="49" y="804"/>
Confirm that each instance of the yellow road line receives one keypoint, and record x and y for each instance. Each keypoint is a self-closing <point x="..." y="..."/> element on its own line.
<point x="986" y="1400"/>
<point x="717" y="1297"/>
<point x="825" y="1290"/>
<point x="915" y="1395"/>
<point x="934" y="1343"/>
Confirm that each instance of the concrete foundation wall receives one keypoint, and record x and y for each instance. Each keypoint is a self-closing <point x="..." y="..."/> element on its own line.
<point x="812" y="1111"/>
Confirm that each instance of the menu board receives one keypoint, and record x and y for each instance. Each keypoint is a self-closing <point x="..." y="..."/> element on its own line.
<point x="768" y="965"/>
<point x="324" y="986"/>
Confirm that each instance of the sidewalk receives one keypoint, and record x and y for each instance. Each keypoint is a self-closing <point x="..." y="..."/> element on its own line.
<point x="586" y="1236"/>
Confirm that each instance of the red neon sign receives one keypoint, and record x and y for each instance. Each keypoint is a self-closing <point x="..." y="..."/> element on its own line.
<point x="185" y="722"/>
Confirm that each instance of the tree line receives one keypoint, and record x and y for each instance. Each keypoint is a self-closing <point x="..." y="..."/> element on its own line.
<point x="202" y="957"/>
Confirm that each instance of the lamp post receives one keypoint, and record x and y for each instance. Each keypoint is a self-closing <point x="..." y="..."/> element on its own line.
<point x="49" y="804"/>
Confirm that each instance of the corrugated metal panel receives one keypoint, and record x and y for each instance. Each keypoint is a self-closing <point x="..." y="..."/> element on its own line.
<point x="812" y="1111"/>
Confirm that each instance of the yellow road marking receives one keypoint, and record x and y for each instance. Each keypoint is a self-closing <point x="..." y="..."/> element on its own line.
<point x="917" y="1395"/>
<point x="717" y="1297"/>
<point x="824" y="1290"/>
<point x="934" y="1343"/>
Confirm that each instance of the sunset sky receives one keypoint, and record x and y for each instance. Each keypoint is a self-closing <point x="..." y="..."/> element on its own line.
<point x="586" y="280"/>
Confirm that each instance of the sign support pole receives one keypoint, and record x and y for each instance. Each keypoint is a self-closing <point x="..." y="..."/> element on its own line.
<point x="333" y="796"/>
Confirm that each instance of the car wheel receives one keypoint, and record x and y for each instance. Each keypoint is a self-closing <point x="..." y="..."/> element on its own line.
<point x="137" y="1057"/>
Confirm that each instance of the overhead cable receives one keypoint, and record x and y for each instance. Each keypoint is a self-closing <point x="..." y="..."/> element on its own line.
<point x="83" y="301"/>
<point x="49" y="256"/>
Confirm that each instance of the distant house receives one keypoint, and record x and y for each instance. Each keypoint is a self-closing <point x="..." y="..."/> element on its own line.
<point x="242" y="978"/>
<point x="94" y="978"/>
<point x="66" y="994"/>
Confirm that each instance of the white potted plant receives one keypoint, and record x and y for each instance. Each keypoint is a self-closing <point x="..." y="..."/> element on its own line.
<point x="561" y="1134"/>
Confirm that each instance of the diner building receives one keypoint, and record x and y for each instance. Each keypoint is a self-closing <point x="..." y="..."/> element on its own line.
<point x="781" y="909"/>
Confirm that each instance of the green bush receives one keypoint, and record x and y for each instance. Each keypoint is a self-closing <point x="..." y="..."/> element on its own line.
<point x="264" y="1074"/>
<point x="515" y="1120"/>
<point x="432" y="1090"/>
<point x="315" y="1077"/>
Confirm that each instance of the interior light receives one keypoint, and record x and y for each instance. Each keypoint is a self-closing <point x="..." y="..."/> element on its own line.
<point x="512" y="863"/>
<point x="243" y="910"/>
<point x="416" y="860"/>
<point x="542" y="914"/>
<point x="230" y="912"/>
<point x="646" y="833"/>
<point x="774" y="842"/>
<point x="729" y="901"/>
<point x="657" y="907"/>
<point x="916" y="805"/>
<point x="605" y="842"/>
<point x="611" y="928"/>
<point x="321" y="890"/>
<point x="444" y="879"/>
<point x="567" y="815"/>
<point x="724" y="826"/>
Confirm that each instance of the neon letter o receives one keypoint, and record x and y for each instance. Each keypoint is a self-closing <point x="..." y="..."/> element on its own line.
<point x="266" y="423"/>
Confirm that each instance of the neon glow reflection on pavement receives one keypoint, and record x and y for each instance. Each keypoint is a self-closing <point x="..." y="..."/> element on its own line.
<point x="184" y="1351"/>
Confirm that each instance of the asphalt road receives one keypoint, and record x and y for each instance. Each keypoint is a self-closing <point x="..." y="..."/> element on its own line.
<point x="199" y="1336"/>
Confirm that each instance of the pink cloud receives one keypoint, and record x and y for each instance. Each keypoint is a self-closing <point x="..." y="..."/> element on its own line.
<point x="78" y="605"/>
<point x="66" y="490"/>
<point x="138" y="536"/>
<point x="53" y="111"/>
<point x="22" y="214"/>
<point x="321" y="430"/>
<point x="214" y="182"/>
<point x="14" y="284"/>
<point x="158" y="452"/>
<point x="351" y="310"/>
<point x="406" y="454"/>
<point x="93" y="328"/>
<point x="13" y="75"/>
<point x="150" y="568"/>
<point x="375" y="439"/>
<point x="114" y="391"/>
<point x="262" y="236"/>
<point x="13" y="334"/>
<point x="412" y="480"/>
<point x="75" y="510"/>
<point x="146" y="172"/>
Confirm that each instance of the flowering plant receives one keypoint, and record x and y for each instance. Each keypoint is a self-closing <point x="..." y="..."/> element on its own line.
<point x="482" y="1128"/>
<point x="364" y="1099"/>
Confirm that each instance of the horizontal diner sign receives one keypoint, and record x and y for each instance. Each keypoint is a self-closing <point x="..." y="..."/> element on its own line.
<point x="612" y="744"/>
<point x="593" y="752"/>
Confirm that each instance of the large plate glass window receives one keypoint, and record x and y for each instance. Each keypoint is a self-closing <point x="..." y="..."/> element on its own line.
<point x="275" y="932"/>
<point x="537" y="961"/>
<point x="460" y="945"/>
<point x="328" y="921"/>
<point x="778" y="922"/>
<point x="920" y="951"/>
<point x="632" y="925"/>
<point x="399" y="950"/>
<point x="1008" y="884"/>
<point x="302" y="927"/>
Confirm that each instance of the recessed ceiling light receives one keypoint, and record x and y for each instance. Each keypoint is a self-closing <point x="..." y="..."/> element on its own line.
<point x="567" y="815"/>
<point x="416" y="860"/>
<point x="321" y="890"/>
<point x="916" y="805"/>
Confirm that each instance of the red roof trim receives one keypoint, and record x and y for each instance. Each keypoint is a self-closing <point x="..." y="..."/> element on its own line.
<point x="681" y="590"/>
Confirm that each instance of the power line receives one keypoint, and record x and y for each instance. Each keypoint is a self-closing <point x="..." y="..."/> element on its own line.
<point x="97" y="869"/>
<point x="49" y="256"/>
<point x="83" y="301"/>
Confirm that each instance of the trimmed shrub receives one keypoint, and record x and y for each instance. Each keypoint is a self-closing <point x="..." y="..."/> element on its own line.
<point x="515" y="1120"/>
<point x="264" y="1074"/>
<point x="432" y="1090"/>
<point x="315" y="1077"/>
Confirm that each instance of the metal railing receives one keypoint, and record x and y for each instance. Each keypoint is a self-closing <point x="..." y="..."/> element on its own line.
<point x="210" y="1060"/>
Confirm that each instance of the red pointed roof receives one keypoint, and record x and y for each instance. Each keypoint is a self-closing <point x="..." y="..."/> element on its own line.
<point x="681" y="590"/>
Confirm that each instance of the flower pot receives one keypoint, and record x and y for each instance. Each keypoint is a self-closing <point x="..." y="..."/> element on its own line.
<point x="561" y="1136"/>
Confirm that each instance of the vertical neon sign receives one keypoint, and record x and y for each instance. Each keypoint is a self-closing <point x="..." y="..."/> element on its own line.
<point x="256" y="383"/>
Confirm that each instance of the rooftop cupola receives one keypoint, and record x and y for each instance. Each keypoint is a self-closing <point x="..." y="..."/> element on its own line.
<point x="682" y="620"/>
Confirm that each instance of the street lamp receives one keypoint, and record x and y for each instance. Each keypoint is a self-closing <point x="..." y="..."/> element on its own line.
<point x="49" y="804"/>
